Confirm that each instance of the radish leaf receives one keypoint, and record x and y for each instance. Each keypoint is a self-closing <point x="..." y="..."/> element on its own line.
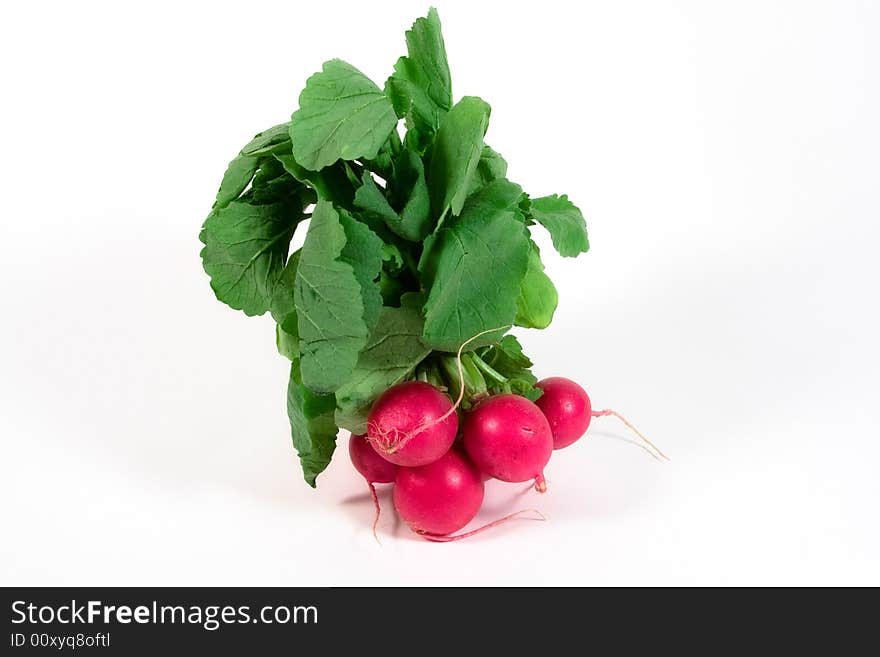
<point x="455" y="154"/>
<point x="281" y="304"/>
<point x="363" y="251"/>
<point x="342" y="115"/>
<point x="537" y="296"/>
<point x="312" y="426"/>
<point x="266" y="142"/>
<point x="238" y="176"/>
<point x="490" y="167"/>
<point x="564" y="222"/>
<point x="463" y="300"/>
<point x="410" y="192"/>
<point x="245" y="250"/>
<point x="330" y="183"/>
<point x="421" y="86"/>
<point x="413" y="222"/>
<point x="329" y="305"/>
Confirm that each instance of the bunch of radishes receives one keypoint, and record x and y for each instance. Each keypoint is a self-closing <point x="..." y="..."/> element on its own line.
<point x="418" y="245"/>
<point x="438" y="461"/>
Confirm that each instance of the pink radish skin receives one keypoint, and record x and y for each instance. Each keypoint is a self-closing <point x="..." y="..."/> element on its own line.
<point x="403" y="425"/>
<point x="372" y="467"/>
<point x="441" y="497"/>
<point x="567" y="408"/>
<point x="508" y="437"/>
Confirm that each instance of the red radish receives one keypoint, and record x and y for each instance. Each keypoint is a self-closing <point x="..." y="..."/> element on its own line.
<point x="372" y="467"/>
<point x="412" y="424"/>
<point x="441" y="497"/>
<point x="509" y="438"/>
<point x="568" y="410"/>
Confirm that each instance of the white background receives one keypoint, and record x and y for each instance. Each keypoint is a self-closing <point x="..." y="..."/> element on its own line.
<point x="726" y="157"/>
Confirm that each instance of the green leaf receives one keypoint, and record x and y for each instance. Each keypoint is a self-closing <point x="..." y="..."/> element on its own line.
<point x="330" y="183"/>
<point x="272" y="184"/>
<point x="372" y="201"/>
<point x="238" y="176"/>
<point x="537" y="297"/>
<point x="411" y="195"/>
<point x="490" y="167"/>
<point x="526" y="389"/>
<point x="413" y="222"/>
<point x="312" y="425"/>
<point x="245" y="250"/>
<point x="383" y="162"/>
<point x="241" y="170"/>
<point x="281" y="303"/>
<point x="455" y="154"/>
<point x="476" y="269"/>
<point x="266" y="142"/>
<point x="396" y="278"/>
<point x="363" y="251"/>
<point x="286" y="343"/>
<point x="507" y="358"/>
<point x="393" y="257"/>
<point x="421" y="87"/>
<point x="342" y="115"/>
<point x="329" y="304"/>
<point x="389" y="357"/>
<point x="564" y="221"/>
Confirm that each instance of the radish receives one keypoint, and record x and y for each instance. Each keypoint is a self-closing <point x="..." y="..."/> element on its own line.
<point x="372" y="467"/>
<point x="412" y="424"/>
<point x="508" y="437"/>
<point x="441" y="497"/>
<point x="567" y="408"/>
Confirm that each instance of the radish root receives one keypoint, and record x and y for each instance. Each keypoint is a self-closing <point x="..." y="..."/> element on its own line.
<point x="392" y="441"/>
<point x="448" y="539"/>
<point x="608" y="411"/>
<point x="541" y="483"/>
<point x="378" y="510"/>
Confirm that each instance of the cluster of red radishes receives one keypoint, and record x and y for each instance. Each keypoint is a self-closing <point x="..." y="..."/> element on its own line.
<point x="438" y="483"/>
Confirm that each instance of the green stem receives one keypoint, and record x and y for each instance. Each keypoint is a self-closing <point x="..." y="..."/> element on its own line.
<point x="487" y="369"/>
<point x="450" y="372"/>
<point x="435" y="378"/>
<point x="475" y="382"/>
